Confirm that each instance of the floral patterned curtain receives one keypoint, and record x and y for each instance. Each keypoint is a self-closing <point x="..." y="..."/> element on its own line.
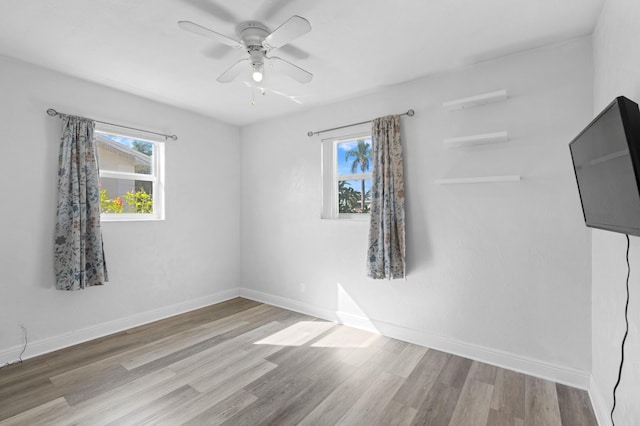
<point x="386" y="256"/>
<point x="79" y="256"/>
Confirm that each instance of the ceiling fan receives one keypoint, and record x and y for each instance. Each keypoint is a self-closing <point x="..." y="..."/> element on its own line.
<point x="256" y="39"/>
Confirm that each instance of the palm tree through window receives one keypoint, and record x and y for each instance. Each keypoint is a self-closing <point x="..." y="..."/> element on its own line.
<point x="354" y="175"/>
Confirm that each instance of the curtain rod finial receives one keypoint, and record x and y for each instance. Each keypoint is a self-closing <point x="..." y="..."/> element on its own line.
<point x="411" y="113"/>
<point x="52" y="112"/>
<point x="310" y="133"/>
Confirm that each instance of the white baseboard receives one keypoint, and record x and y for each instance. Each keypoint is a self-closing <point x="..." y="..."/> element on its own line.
<point x="289" y="304"/>
<point x="51" y="344"/>
<point x="560" y="374"/>
<point x="600" y="406"/>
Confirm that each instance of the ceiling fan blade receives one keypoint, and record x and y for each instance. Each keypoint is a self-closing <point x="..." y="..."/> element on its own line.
<point x="213" y="9"/>
<point x="294" y="52"/>
<point x="206" y="32"/>
<point x="217" y="51"/>
<point x="293" y="71"/>
<point x="271" y="9"/>
<point x="234" y="70"/>
<point x="293" y="28"/>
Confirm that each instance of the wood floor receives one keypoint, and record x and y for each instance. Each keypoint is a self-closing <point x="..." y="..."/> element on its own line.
<point x="245" y="363"/>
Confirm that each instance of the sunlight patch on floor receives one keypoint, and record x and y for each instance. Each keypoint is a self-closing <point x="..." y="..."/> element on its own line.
<point x="347" y="337"/>
<point x="297" y="334"/>
<point x="318" y="334"/>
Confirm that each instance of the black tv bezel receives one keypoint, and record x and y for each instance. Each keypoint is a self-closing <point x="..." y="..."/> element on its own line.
<point x="630" y="116"/>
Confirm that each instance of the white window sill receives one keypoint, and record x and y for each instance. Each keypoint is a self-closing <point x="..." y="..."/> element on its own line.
<point x="123" y="217"/>
<point x="350" y="217"/>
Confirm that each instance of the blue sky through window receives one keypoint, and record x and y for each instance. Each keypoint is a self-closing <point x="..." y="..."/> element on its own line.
<point x="344" y="165"/>
<point x="128" y="142"/>
<point x="120" y="139"/>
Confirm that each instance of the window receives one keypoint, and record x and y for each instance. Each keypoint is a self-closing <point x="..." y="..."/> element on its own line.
<point x="131" y="177"/>
<point x="347" y="164"/>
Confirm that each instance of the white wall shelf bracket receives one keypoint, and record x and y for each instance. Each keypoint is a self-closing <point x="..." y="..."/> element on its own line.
<point x="475" y="140"/>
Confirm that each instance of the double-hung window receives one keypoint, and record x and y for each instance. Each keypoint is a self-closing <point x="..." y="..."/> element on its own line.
<point x="131" y="177"/>
<point x="347" y="164"/>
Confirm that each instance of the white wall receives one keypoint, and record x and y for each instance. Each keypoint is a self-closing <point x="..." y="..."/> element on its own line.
<point x="156" y="268"/>
<point x="499" y="272"/>
<point x="616" y="47"/>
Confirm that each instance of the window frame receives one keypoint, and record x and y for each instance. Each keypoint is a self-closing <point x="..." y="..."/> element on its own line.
<point x="330" y="176"/>
<point x="156" y="177"/>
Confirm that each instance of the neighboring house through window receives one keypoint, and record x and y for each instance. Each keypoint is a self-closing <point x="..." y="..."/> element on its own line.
<point x="346" y="166"/>
<point x="131" y="177"/>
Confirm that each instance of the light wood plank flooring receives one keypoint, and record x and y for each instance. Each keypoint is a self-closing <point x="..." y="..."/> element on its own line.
<point x="245" y="363"/>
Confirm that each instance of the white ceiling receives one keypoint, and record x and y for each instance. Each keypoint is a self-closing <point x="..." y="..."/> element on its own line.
<point x="354" y="47"/>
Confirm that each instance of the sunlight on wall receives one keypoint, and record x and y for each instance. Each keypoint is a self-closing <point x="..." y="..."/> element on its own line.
<point x="323" y="334"/>
<point x="350" y="313"/>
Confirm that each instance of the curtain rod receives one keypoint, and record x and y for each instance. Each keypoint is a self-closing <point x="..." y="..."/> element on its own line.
<point x="52" y="112"/>
<point x="409" y="113"/>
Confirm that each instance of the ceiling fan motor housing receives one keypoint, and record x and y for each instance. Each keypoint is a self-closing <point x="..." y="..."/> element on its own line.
<point x="256" y="55"/>
<point x="252" y="33"/>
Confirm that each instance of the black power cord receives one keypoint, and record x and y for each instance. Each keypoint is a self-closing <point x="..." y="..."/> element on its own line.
<point x="24" y="348"/>
<point x="626" y="332"/>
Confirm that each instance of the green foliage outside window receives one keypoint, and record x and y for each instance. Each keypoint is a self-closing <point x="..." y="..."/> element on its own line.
<point x="144" y="147"/>
<point x="350" y="200"/>
<point x="131" y="202"/>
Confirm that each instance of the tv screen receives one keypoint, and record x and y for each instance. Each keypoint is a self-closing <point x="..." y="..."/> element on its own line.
<point x="606" y="163"/>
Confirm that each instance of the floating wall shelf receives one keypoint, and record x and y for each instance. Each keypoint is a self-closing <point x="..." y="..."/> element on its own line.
<point x="483" y="179"/>
<point x="474" y="101"/>
<point x="474" y="140"/>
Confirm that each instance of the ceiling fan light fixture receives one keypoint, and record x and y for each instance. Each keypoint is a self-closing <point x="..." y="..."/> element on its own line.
<point x="257" y="65"/>
<point x="257" y="74"/>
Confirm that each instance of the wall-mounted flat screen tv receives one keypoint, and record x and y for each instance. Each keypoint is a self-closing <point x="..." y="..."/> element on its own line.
<point x="606" y="161"/>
